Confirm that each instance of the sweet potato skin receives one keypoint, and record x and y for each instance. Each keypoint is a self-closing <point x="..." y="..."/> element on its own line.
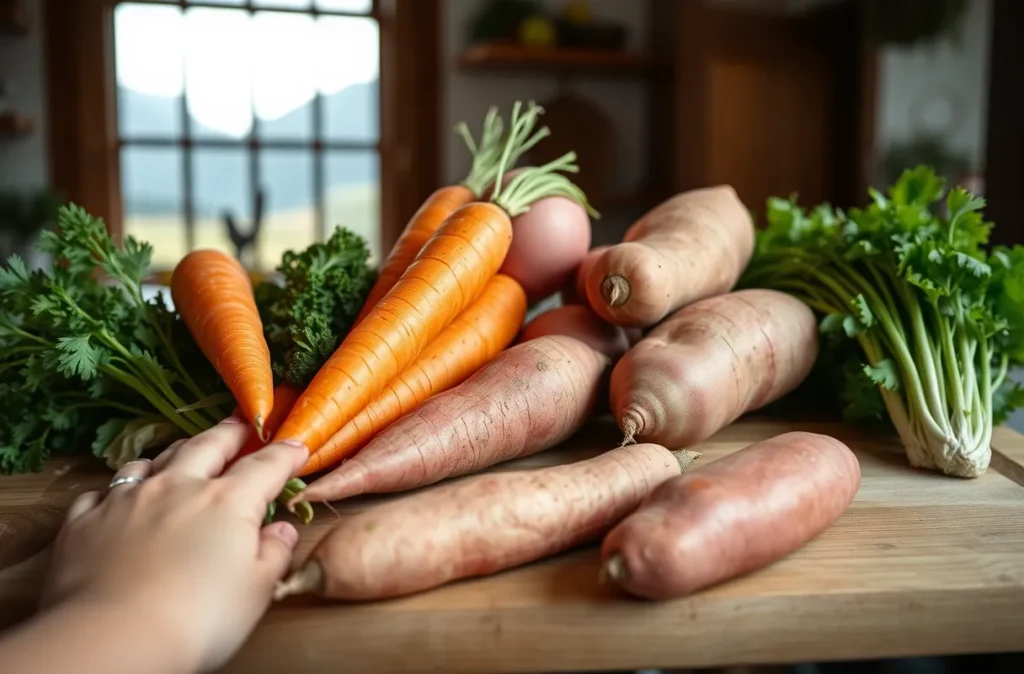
<point x="732" y="516"/>
<point x="485" y="523"/>
<point x="580" y="322"/>
<point x="530" y="398"/>
<point x="711" y="362"/>
<point x="692" y="246"/>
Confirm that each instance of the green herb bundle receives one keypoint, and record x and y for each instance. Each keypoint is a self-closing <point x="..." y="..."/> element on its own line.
<point x="87" y="361"/>
<point x="921" y="319"/>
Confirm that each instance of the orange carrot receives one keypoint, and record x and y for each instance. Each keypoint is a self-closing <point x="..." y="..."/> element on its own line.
<point x="213" y="294"/>
<point x="475" y="337"/>
<point x="446" y="277"/>
<point x="440" y="205"/>
<point x="285" y="396"/>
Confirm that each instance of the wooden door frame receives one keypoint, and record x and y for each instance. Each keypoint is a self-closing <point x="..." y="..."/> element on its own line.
<point x="1004" y="152"/>
<point x="82" y="106"/>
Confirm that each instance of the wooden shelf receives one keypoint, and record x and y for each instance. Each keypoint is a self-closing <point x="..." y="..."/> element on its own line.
<point x="519" y="57"/>
<point x="15" y="124"/>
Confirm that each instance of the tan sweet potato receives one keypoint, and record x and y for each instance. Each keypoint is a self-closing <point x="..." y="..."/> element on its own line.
<point x="480" y="525"/>
<point x="711" y="362"/>
<point x="732" y="516"/>
<point x="692" y="246"/>
<point x="529" y="398"/>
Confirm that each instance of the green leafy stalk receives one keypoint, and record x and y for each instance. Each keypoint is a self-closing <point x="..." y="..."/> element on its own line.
<point x="83" y="353"/>
<point x="305" y="318"/>
<point x="937" y="318"/>
<point x="535" y="182"/>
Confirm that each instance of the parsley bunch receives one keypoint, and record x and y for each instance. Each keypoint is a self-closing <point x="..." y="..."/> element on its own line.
<point x="87" y="361"/>
<point x="304" y="319"/>
<point x="923" y="320"/>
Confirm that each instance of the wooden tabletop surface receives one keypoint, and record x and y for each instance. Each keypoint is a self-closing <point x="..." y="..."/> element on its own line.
<point x="920" y="564"/>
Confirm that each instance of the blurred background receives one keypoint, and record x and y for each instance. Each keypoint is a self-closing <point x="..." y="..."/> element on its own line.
<point x="258" y="125"/>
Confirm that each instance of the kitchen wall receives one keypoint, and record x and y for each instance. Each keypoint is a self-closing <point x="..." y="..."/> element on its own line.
<point x="467" y="95"/>
<point x="24" y="160"/>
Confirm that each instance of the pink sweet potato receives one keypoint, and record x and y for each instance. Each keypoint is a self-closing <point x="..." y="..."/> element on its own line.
<point x="732" y="516"/>
<point x="480" y="525"/>
<point x="692" y="246"/>
<point x="711" y="362"/>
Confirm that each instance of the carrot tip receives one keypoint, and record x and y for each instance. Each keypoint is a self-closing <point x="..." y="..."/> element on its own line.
<point x="310" y="578"/>
<point x="257" y="421"/>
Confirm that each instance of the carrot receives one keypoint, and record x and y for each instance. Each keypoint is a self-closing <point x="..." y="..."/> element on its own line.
<point x="449" y="273"/>
<point x="732" y="516"/>
<point x="711" y="362"/>
<point x="438" y="207"/>
<point x="475" y="337"/>
<point x="213" y="294"/>
<point x="531" y="397"/>
<point x="694" y="245"/>
<point x="480" y="525"/>
<point x="285" y="396"/>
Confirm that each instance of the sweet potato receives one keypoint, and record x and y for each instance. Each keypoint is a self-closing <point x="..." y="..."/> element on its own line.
<point x="575" y="290"/>
<point x="529" y="398"/>
<point x="580" y="322"/>
<point x="711" y="362"/>
<point x="732" y="516"/>
<point x="693" y="246"/>
<point x="480" y="525"/>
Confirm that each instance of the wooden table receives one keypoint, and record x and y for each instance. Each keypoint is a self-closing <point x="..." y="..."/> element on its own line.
<point x="920" y="564"/>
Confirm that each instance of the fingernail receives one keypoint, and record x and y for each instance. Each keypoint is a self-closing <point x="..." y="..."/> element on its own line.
<point x="289" y="535"/>
<point x="233" y="419"/>
<point x="295" y="443"/>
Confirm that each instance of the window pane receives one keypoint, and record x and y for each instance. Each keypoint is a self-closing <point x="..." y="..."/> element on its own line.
<point x="347" y="71"/>
<point x="289" y="211"/>
<point x="352" y="193"/>
<point x="345" y="5"/>
<point x="221" y="183"/>
<point x="150" y="74"/>
<point x="292" y="4"/>
<point x="284" y="77"/>
<point x="224" y="2"/>
<point x="152" y="195"/>
<point x="217" y="67"/>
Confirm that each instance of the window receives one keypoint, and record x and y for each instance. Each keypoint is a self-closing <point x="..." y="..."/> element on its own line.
<point x="230" y="109"/>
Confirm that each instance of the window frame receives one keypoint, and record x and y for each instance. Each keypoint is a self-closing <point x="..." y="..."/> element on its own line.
<point x="85" y="145"/>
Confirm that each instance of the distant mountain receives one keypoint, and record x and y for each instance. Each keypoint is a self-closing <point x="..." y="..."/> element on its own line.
<point x="152" y="177"/>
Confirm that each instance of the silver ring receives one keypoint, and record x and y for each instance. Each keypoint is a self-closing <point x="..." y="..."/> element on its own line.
<point x="124" y="480"/>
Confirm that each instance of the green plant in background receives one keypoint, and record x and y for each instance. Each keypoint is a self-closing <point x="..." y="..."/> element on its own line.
<point x="24" y="214"/>
<point x="925" y="148"/>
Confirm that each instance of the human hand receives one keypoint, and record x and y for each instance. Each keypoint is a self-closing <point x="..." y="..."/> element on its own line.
<point x="184" y="551"/>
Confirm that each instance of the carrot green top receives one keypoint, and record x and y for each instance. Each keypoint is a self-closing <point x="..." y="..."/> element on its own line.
<point x="535" y="182"/>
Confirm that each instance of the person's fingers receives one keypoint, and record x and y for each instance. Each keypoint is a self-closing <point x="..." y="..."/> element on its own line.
<point x="162" y="459"/>
<point x="206" y="454"/>
<point x="264" y="472"/>
<point x="277" y="542"/>
<point x="82" y="504"/>
<point x="130" y="475"/>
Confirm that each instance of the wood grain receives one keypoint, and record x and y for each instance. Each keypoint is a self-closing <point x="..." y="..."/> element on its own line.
<point x="920" y="564"/>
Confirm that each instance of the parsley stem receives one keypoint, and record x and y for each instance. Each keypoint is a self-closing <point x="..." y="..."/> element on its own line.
<point x="161" y="406"/>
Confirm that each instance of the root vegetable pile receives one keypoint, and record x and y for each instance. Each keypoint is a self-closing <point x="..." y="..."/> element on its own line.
<point x="400" y="377"/>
